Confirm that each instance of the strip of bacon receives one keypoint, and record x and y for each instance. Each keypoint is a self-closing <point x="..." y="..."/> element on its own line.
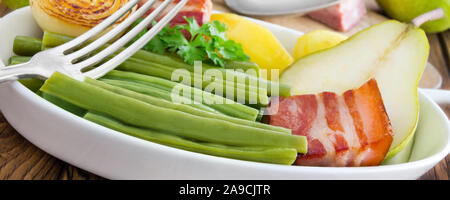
<point x="199" y="9"/>
<point x="352" y="129"/>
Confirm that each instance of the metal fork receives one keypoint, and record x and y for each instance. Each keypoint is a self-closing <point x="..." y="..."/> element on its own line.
<point x="68" y="59"/>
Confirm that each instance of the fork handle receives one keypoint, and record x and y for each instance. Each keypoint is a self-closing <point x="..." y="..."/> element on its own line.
<point x="15" y="72"/>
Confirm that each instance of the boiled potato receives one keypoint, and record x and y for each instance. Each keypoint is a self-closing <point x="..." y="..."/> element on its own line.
<point x="258" y="42"/>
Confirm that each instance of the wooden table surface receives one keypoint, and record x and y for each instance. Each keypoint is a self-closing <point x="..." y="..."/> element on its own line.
<point x="19" y="159"/>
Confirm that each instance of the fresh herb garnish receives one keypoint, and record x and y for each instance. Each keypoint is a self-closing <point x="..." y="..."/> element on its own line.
<point x="206" y="43"/>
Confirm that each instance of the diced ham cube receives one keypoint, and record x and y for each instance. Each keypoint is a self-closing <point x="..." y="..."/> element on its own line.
<point x="342" y="16"/>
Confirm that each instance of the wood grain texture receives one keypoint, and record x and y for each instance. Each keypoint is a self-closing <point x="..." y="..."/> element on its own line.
<point x="3" y="9"/>
<point x="19" y="159"/>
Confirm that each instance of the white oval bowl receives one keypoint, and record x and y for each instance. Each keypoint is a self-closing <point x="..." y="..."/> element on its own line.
<point x="114" y="155"/>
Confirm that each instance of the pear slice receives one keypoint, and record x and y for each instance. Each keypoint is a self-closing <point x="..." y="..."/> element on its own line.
<point x="393" y="53"/>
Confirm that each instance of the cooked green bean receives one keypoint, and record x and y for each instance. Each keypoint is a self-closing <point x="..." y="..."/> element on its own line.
<point x="183" y="107"/>
<point x="50" y="40"/>
<point x="141" y="114"/>
<point x="168" y="72"/>
<point x="227" y="107"/>
<point x="252" y="88"/>
<point x="32" y="84"/>
<point x="164" y="84"/>
<point x="260" y="154"/>
<point x="26" y="46"/>
<point x="217" y="102"/>
<point x="244" y="66"/>
<point x="234" y="110"/>
<point x="258" y="95"/>
<point x="260" y="115"/>
<point x="141" y="78"/>
<point x="53" y="39"/>
<point x="14" y="60"/>
<point x="64" y="105"/>
<point x="156" y="92"/>
<point x="284" y="90"/>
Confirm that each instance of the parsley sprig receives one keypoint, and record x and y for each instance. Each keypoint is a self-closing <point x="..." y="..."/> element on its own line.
<point x="206" y="43"/>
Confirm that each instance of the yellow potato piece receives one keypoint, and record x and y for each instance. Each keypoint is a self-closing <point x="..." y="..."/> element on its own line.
<point x="258" y="43"/>
<point x="315" y="41"/>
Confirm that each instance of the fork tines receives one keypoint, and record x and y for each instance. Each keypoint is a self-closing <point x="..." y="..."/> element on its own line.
<point x="77" y="55"/>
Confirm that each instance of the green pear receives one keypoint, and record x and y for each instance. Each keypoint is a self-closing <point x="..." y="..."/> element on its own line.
<point x="393" y="53"/>
<point x="406" y="10"/>
<point x="15" y="4"/>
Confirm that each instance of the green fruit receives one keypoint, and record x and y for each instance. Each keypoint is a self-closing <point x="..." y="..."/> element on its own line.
<point x="15" y="4"/>
<point x="393" y="53"/>
<point x="406" y="10"/>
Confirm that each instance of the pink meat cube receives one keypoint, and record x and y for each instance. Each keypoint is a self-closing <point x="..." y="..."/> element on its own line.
<point x="342" y="16"/>
<point x="199" y="9"/>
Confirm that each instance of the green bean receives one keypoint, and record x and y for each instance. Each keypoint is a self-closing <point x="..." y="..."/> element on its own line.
<point x="50" y="40"/>
<point x="177" y="63"/>
<point x="259" y="154"/>
<point x="168" y="85"/>
<point x="233" y="84"/>
<point x="183" y="107"/>
<point x="14" y="60"/>
<point x="26" y="46"/>
<point x="217" y="102"/>
<point x="174" y="62"/>
<point x="164" y="83"/>
<point x="258" y="95"/>
<point x="141" y="114"/>
<point x="260" y="114"/>
<point x="156" y="92"/>
<point x="246" y="67"/>
<point x="53" y="39"/>
<point x="64" y="105"/>
<point x="32" y="84"/>
<point x="228" y="109"/>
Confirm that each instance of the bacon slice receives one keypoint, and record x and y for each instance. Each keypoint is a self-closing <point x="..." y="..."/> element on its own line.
<point x="199" y="9"/>
<point x="352" y="129"/>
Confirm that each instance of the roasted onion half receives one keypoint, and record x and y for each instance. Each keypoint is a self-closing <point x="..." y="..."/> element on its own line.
<point x="73" y="17"/>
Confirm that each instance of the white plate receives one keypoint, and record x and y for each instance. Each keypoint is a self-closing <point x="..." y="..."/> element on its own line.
<point x="280" y="7"/>
<point x="115" y="155"/>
